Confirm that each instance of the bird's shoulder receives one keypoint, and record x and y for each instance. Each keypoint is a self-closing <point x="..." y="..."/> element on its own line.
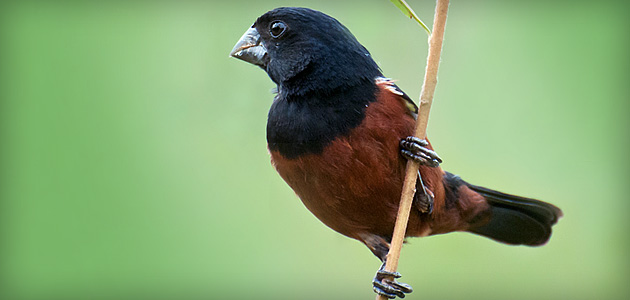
<point x="388" y="85"/>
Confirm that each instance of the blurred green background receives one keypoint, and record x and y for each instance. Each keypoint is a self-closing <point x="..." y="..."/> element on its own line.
<point x="134" y="162"/>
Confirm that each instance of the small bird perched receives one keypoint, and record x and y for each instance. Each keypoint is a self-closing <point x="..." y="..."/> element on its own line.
<point x="339" y="133"/>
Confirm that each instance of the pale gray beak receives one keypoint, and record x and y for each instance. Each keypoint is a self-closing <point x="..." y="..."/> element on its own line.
<point x="250" y="49"/>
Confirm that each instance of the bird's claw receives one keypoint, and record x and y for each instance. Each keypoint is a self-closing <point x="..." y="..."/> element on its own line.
<point x="385" y="284"/>
<point x="415" y="149"/>
<point x="423" y="198"/>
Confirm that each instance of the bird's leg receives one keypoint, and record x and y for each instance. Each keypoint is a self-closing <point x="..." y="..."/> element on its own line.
<point x="385" y="284"/>
<point x="416" y="149"/>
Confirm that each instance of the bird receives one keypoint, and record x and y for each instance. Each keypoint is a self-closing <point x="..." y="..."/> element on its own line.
<point x="340" y="133"/>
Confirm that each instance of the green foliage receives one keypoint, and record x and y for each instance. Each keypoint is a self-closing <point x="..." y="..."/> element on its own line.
<point x="406" y="9"/>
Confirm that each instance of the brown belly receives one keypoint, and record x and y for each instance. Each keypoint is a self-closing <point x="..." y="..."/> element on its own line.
<point x="354" y="185"/>
<point x="347" y="189"/>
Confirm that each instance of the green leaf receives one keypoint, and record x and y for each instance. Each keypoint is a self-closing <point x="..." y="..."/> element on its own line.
<point x="404" y="7"/>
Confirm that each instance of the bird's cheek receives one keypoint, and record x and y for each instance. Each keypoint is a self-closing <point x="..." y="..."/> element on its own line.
<point x="286" y="68"/>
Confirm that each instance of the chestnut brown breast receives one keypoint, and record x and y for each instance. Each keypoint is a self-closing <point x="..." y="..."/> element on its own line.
<point x="354" y="185"/>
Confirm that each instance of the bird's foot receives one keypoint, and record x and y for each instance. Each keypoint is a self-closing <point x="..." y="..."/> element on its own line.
<point x="385" y="284"/>
<point x="423" y="198"/>
<point x="415" y="149"/>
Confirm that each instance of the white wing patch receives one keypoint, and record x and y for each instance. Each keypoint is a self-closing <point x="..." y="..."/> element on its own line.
<point x="389" y="85"/>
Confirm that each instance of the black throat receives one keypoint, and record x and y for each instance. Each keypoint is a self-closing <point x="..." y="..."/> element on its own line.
<point x="306" y="123"/>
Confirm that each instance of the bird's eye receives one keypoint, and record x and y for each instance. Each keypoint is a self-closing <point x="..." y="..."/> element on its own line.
<point x="277" y="29"/>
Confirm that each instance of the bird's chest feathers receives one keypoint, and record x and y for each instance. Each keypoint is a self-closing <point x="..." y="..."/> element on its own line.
<point x="351" y="169"/>
<point x="341" y="182"/>
<point x="307" y="125"/>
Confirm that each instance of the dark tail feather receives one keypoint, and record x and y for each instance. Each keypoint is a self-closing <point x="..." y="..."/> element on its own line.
<point x="517" y="220"/>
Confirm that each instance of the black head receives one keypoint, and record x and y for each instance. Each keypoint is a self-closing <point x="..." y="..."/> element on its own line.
<point x="304" y="50"/>
<point x="325" y="77"/>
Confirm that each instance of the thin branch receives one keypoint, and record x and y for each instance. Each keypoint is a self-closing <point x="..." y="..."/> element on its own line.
<point x="426" y="98"/>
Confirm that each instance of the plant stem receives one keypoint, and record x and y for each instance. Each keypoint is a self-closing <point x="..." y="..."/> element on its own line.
<point x="426" y="98"/>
